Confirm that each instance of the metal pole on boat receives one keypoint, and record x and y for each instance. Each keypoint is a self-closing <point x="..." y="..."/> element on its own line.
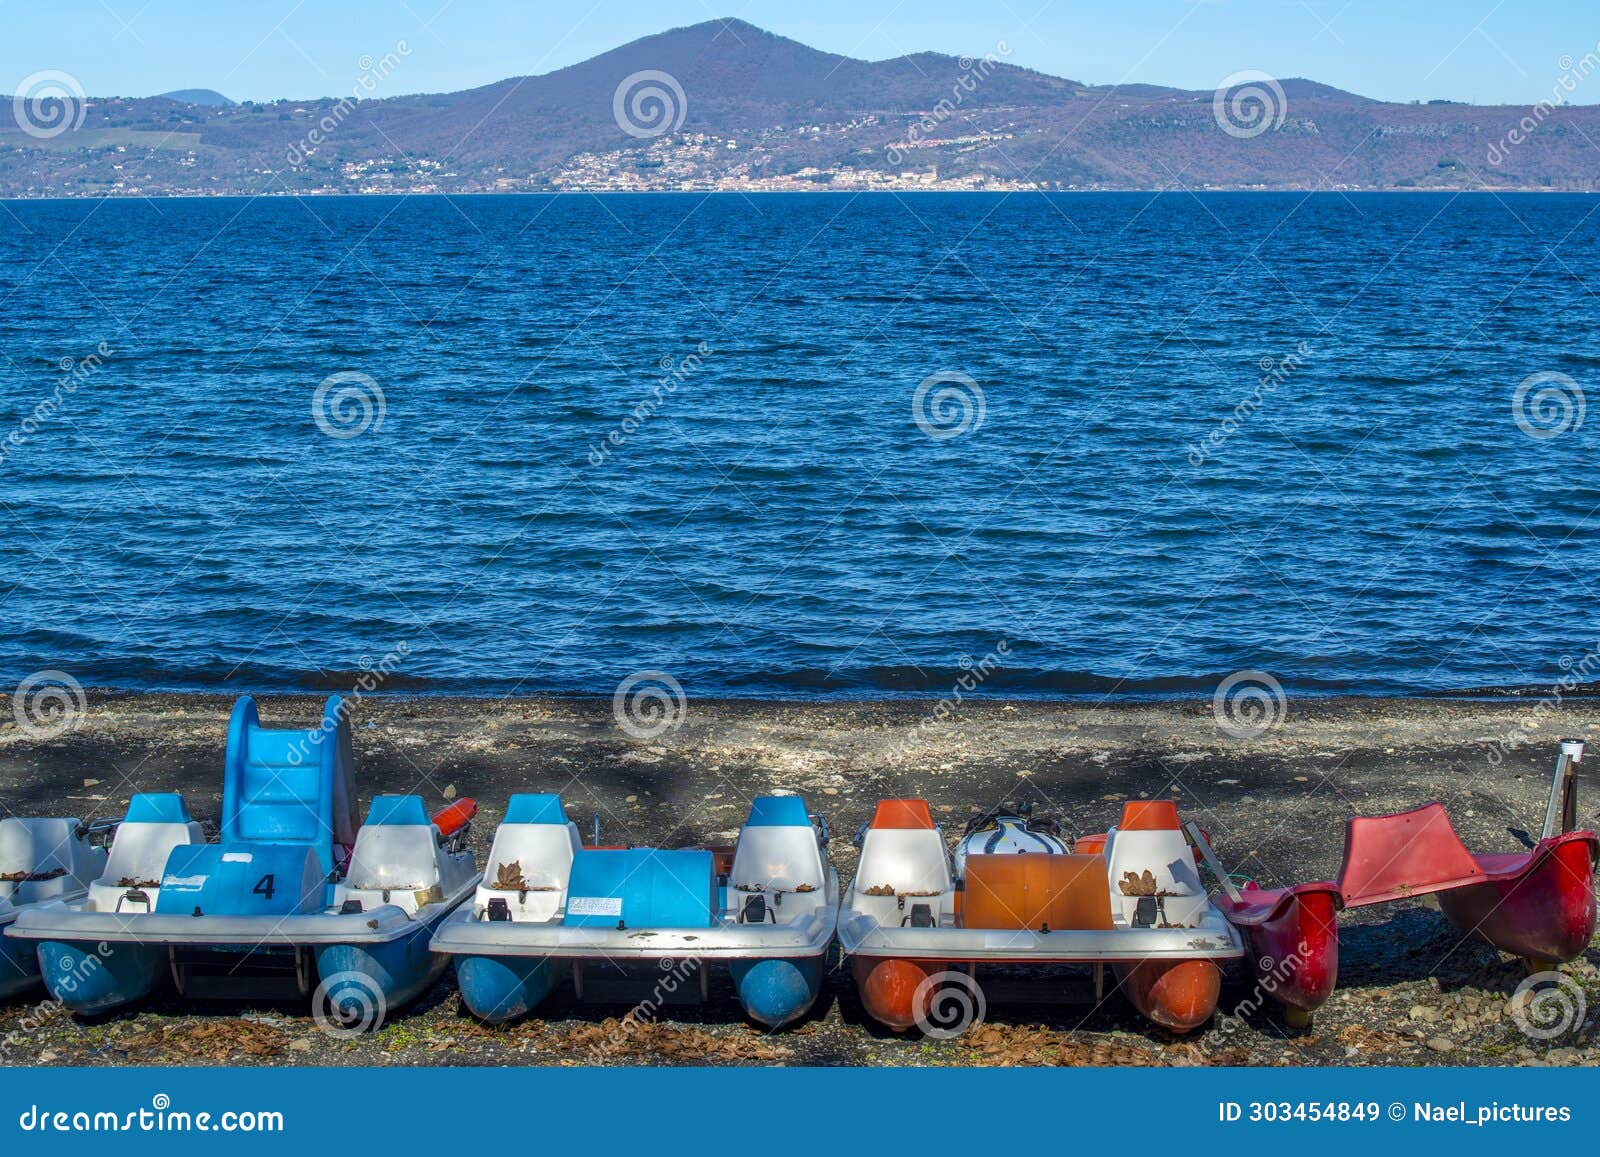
<point x="1212" y="862"/>
<point x="1561" y="812"/>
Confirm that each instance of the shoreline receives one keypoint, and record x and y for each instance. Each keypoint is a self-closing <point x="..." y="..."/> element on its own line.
<point x="1411" y="992"/>
<point x="1288" y="190"/>
<point x="1195" y="695"/>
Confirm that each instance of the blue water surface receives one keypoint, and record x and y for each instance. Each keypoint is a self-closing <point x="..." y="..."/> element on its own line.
<point x="1169" y="436"/>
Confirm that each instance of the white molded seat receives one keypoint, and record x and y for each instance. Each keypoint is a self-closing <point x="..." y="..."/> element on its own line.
<point x="398" y="859"/>
<point x="540" y="855"/>
<point x="50" y="856"/>
<point x="778" y="859"/>
<point x="155" y="825"/>
<point x="1166" y="855"/>
<point x="908" y="860"/>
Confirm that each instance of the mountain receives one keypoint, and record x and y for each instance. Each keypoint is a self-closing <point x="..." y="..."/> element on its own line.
<point x="209" y="97"/>
<point x="724" y="104"/>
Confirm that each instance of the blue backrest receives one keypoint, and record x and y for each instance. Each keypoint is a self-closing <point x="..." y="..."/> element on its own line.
<point x="535" y="809"/>
<point x="778" y="811"/>
<point x="157" y="808"/>
<point x="289" y="786"/>
<point x="397" y="811"/>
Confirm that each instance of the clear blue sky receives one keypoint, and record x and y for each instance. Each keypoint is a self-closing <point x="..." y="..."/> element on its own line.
<point x="1474" y="50"/>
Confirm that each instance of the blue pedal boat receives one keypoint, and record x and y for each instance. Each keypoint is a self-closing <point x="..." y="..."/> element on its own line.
<point x="41" y="860"/>
<point x="632" y="922"/>
<point x="294" y="900"/>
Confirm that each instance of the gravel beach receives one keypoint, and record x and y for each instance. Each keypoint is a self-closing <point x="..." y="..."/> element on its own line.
<point x="1410" y="991"/>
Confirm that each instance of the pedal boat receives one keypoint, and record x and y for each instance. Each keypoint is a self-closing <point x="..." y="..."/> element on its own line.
<point x="294" y="891"/>
<point x="1538" y="904"/>
<point x="629" y="921"/>
<point x="41" y="860"/>
<point x="1131" y="899"/>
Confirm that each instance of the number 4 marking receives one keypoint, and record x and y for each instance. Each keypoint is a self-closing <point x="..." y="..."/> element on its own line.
<point x="265" y="887"/>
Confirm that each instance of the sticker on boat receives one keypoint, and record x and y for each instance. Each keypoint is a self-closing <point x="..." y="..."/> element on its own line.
<point x="595" y="906"/>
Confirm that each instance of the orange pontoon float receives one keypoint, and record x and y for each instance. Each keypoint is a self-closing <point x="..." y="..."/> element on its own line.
<point x="1131" y="899"/>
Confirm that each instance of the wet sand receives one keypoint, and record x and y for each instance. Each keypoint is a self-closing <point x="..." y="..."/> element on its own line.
<point x="1411" y="992"/>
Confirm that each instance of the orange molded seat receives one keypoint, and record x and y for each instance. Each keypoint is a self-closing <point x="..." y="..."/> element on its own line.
<point x="902" y="813"/>
<point x="1150" y="815"/>
<point x="1036" y="890"/>
<point x="1409" y="854"/>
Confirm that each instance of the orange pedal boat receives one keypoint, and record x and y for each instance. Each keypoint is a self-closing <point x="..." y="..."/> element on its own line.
<point x="916" y="923"/>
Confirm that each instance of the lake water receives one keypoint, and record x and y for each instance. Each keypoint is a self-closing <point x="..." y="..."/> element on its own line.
<point x="795" y="445"/>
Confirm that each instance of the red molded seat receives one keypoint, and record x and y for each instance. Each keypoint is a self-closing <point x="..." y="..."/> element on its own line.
<point x="1408" y="854"/>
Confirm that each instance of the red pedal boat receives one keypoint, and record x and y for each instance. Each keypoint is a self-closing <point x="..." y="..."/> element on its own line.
<point x="1538" y="904"/>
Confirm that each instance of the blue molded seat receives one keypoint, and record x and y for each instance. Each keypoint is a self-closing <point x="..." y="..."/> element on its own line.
<point x="397" y="811"/>
<point x="778" y="811"/>
<point x="289" y="786"/>
<point x="535" y="809"/>
<point x="157" y="808"/>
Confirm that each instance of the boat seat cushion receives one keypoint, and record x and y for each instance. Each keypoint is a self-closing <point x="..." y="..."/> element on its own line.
<point x="904" y="861"/>
<point x="155" y="825"/>
<point x="537" y="854"/>
<point x="394" y="857"/>
<point x="777" y="859"/>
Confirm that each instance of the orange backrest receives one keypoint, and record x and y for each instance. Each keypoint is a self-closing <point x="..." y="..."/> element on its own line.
<point x="902" y="813"/>
<point x="1036" y="890"/>
<point x="1150" y="815"/>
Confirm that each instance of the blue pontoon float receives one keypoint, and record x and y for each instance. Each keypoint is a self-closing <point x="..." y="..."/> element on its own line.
<point x="293" y="892"/>
<point x="630" y="922"/>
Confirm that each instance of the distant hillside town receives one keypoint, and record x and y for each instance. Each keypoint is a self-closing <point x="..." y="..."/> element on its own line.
<point x="726" y="106"/>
